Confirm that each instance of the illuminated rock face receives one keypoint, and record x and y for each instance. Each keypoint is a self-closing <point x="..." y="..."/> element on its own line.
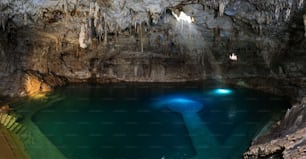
<point x="34" y="85"/>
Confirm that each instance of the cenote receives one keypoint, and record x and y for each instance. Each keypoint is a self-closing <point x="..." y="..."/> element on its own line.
<point x="153" y="121"/>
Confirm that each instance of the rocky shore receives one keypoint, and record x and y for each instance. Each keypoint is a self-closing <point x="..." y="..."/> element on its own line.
<point x="285" y="140"/>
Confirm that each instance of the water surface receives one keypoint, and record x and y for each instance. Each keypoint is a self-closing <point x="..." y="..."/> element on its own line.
<point x="154" y="121"/>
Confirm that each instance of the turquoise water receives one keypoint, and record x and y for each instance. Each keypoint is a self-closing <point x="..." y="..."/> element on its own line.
<point x="154" y="121"/>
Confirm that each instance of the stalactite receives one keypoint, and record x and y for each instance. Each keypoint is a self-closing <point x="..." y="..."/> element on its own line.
<point x="25" y="19"/>
<point x="75" y="7"/>
<point x="304" y="18"/>
<point x="117" y="31"/>
<point x="290" y="2"/>
<point x="112" y="26"/>
<point x="96" y="14"/>
<point x="260" y="20"/>
<point x="105" y="30"/>
<point x="135" y="25"/>
<point x="3" y="20"/>
<point x="269" y="18"/>
<point x="66" y="9"/>
<point x="90" y="30"/>
<point x="221" y="8"/>
<point x="287" y="16"/>
<point x="82" y="37"/>
<point x="99" y="31"/>
<point x="300" y="4"/>
<point x="277" y="12"/>
<point x="91" y="8"/>
<point x="136" y="71"/>
<point x="141" y="38"/>
<point x="58" y="43"/>
<point x="154" y="17"/>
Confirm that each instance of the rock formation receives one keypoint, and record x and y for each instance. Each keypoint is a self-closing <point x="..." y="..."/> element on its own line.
<point x="287" y="140"/>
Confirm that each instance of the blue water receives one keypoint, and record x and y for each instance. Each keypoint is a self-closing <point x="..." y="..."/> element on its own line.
<point x="154" y="121"/>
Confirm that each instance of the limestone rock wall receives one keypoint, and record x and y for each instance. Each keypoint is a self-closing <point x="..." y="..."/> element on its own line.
<point x="114" y="40"/>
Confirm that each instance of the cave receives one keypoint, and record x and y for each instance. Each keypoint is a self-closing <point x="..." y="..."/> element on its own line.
<point x="162" y="79"/>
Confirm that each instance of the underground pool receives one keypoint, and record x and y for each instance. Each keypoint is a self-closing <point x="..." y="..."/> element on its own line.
<point x="151" y="121"/>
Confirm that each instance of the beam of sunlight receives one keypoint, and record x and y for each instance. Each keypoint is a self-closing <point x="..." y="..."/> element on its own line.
<point x="203" y="140"/>
<point x="189" y="35"/>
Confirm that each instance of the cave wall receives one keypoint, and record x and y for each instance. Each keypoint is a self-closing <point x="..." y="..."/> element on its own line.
<point x="107" y="41"/>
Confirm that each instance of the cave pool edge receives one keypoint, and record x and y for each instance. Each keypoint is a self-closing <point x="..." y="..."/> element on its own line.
<point x="217" y="118"/>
